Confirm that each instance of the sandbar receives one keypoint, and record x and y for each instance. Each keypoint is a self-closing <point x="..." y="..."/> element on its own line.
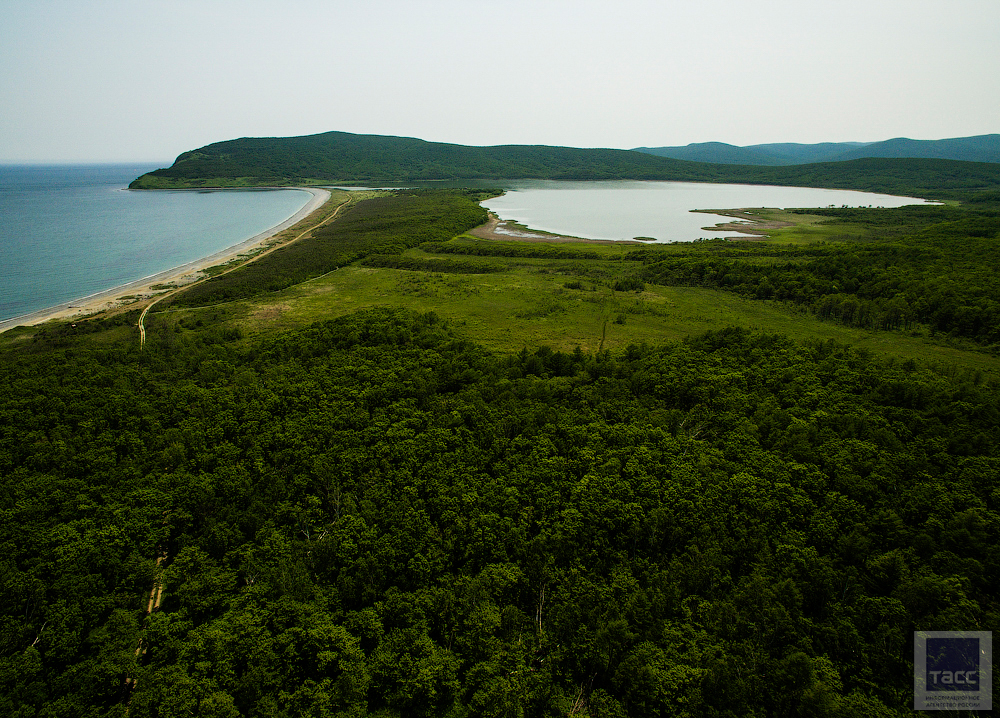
<point x="505" y="230"/>
<point x="148" y="287"/>
<point x="753" y="228"/>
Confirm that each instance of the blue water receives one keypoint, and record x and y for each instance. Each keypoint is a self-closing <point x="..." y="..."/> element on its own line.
<point x="68" y="231"/>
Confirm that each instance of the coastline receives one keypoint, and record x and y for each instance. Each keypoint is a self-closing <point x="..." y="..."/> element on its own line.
<point x="148" y="287"/>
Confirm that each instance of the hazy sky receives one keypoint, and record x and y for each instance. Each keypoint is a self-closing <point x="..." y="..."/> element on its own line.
<point x="102" y="80"/>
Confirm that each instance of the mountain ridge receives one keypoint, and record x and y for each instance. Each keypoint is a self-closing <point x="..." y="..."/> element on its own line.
<point x="341" y="158"/>
<point x="977" y="148"/>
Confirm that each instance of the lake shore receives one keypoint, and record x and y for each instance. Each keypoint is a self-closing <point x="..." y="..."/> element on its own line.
<point x="751" y="227"/>
<point x="507" y="230"/>
<point x="168" y="280"/>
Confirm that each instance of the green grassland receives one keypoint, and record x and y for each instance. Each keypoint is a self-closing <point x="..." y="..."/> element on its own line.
<point x="528" y="306"/>
<point x="568" y="300"/>
<point x="411" y="252"/>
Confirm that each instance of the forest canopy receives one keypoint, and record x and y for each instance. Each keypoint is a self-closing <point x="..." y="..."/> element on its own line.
<point x="373" y="516"/>
<point x="344" y="158"/>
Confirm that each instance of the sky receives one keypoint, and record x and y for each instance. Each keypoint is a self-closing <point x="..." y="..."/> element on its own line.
<point x="117" y="81"/>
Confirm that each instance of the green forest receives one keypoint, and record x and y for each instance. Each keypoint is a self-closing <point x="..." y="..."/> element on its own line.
<point x="361" y="476"/>
<point x="349" y="159"/>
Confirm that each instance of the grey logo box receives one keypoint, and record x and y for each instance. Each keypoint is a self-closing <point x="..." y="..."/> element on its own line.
<point x="952" y="670"/>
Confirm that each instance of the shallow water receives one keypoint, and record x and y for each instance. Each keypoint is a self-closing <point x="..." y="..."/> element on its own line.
<point x="68" y="231"/>
<point x="662" y="210"/>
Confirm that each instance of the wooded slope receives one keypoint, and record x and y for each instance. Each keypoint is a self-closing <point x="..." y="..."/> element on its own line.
<point x="343" y="158"/>
<point x="981" y="148"/>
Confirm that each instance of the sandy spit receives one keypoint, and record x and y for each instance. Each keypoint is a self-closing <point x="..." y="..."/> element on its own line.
<point x="506" y="231"/>
<point x="748" y="224"/>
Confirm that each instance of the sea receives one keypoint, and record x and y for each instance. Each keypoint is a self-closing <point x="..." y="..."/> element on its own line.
<point x="69" y="231"/>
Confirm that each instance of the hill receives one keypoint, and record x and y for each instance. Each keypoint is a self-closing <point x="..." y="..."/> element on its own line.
<point x="772" y="155"/>
<point x="349" y="158"/>
<point x="981" y="148"/>
<point x="344" y="158"/>
<point x="718" y="153"/>
<point x="984" y="148"/>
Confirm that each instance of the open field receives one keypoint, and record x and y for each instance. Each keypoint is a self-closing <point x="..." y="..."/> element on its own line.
<point x="528" y="304"/>
<point x="562" y="297"/>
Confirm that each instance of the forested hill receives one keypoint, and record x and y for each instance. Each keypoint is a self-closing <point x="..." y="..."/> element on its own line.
<point x="981" y="148"/>
<point x="343" y="158"/>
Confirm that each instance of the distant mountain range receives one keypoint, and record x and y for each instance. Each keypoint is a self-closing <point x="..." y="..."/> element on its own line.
<point x="981" y="148"/>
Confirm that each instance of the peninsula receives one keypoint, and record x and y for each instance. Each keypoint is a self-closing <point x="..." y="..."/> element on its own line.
<point x="341" y="158"/>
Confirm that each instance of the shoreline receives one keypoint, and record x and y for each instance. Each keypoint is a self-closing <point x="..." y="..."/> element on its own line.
<point x="148" y="287"/>
<point x="507" y="230"/>
<point x="752" y="227"/>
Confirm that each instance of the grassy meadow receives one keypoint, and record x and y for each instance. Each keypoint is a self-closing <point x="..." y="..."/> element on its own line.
<point x="528" y="302"/>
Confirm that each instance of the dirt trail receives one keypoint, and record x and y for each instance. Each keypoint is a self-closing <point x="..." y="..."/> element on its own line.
<point x="300" y="235"/>
<point x="155" y="598"/>
<point x="133" y="293"/>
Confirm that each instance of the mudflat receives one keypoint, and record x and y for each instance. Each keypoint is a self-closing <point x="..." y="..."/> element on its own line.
<point x="507" y="231"/>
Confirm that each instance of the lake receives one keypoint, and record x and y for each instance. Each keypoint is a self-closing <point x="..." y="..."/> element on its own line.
<point x="627" y="209"/>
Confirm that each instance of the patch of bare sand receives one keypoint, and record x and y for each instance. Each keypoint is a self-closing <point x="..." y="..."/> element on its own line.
<point x="746" y="223"/>
<point x="506" y="231"/>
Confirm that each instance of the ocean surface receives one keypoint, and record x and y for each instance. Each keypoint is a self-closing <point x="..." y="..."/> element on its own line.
<point x="625" y="209"/>
<point x="69" y="231"/>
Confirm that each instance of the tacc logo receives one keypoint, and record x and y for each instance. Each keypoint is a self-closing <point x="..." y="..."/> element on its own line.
<point x="953" y="670"/>
<point x="969" y="678"/>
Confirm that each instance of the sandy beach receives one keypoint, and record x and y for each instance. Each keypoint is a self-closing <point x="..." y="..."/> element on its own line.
<point x="752" y="227"/>
<point x="150" y="286"/>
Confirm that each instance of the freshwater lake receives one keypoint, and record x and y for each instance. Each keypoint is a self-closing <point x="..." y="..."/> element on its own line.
<point x="625" y="209"/>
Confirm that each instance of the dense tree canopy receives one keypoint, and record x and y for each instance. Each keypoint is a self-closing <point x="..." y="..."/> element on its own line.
<point x="342" y="157"/>
<point x="372" y="516"/>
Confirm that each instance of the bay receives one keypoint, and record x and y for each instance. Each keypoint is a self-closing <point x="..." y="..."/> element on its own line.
<point x="69" y="231"/>
<point x="624" y="209"/>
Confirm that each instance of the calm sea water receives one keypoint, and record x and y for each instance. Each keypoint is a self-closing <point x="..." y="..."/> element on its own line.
<point x="68" y="231"/>
<point x="627" y="209"/>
